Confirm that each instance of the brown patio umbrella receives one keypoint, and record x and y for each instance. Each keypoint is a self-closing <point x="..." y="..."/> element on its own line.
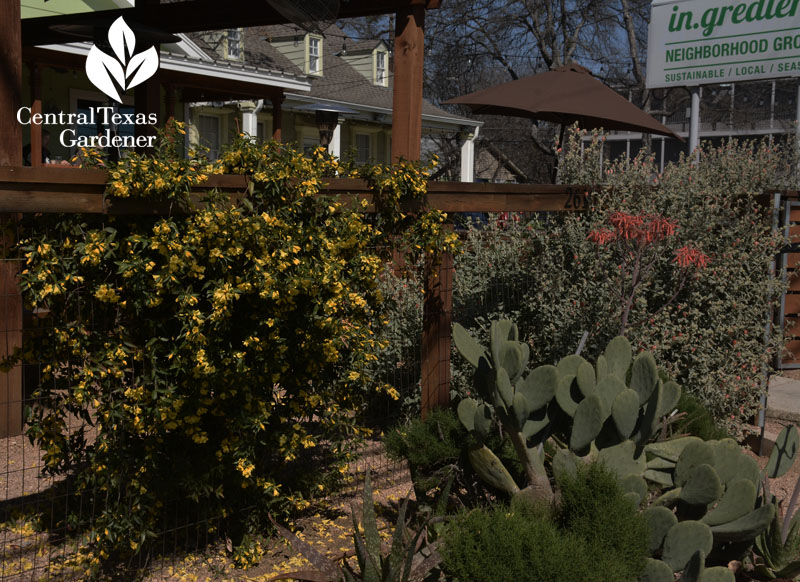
<point x="564" y="96"/>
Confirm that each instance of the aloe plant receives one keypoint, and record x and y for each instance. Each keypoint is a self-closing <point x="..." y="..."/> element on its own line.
<point x="777" y="549"/>
<point x="408" y="559"/>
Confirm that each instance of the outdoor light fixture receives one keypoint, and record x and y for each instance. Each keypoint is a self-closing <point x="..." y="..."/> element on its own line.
<point x="326" y="116"/>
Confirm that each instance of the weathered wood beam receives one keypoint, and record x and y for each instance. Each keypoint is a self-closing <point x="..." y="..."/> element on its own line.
<point x="10" y="155"/>
<point x="196" y="15"/>
<point x="68" y="189"/>
<point x="409" y="55"/>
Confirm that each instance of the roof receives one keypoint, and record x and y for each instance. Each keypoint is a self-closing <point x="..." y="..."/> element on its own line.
<point x="340" y="82"/>
<point x="365" y="46"/>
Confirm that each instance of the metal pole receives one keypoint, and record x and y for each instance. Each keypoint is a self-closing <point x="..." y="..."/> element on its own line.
<point x="694" y="122"/>
<point x="797" y="117"/>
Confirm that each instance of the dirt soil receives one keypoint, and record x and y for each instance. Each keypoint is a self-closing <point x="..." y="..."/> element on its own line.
<point x="27" y="555"/>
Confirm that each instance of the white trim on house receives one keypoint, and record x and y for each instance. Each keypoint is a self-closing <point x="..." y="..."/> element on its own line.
<point x="229" y="70"/>
<point x="366" y="113"/>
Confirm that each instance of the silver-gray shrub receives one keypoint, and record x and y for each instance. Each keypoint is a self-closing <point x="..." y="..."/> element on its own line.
<point x="546" y="275"/>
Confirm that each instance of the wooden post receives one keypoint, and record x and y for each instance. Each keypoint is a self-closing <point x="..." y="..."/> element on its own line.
<point x="436" y="333"/>
<point x="10" y="155"/>
<point x="11" y="83"/>
<point x="277" y="116"/>
<point x="409" y="53"/>
<point x="36" y="107"/>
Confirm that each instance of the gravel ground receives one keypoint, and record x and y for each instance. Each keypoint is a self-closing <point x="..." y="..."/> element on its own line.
<point x="27" y="555"/>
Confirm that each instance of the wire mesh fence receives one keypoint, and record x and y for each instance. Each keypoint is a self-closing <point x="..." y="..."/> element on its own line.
<point x="43" y="518"/>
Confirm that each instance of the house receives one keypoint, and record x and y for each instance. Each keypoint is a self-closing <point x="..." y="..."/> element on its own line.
<point x="743" y="110"/>
<point x="350" y="80"/>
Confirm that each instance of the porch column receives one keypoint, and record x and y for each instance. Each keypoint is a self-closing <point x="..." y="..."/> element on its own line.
<point x="335" y="147"/>
<point x="10" y="155"/>
<point x="468" y="157"/>
<point x="409" y="49"/>
<point x="249" y="118"/>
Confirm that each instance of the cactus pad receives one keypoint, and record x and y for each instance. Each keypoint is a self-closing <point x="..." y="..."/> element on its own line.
<point x="656" y="571"/>
<point x="659" y="521"/>
<point x="620" y="459"/>
<point x="618" y="355"/>
<point x="568" y="366"/>
<point x="585" y="378"/>
<point x="702" y="487"/>
<point x="644" y="376"/>
<point x="784" y="452"/>
<point x="609" y="388"/>
<point x="564" y="395"/>
<point x="466" y="413"/>
<point x="739" y="499"/>
<point x="625" y="412"/>
<point x="694" y="454"/>
<point x="482" y="421"/>
<point x="492" y="470"/>
<point x="747" y="527"/>
<point x="467" y="345"/>
<point x="564" y="463"/>
<point x="728" y="459"/>
<point x="589" y="418"/>
<point x="539" y="386"/>
<point x="671" y="450"/>
<point x="663" y="478"/>
<point x="684" y="539"/>
<point x="669" y="398"/>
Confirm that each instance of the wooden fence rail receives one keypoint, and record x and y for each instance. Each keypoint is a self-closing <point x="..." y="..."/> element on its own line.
<point x="54" y="189"/>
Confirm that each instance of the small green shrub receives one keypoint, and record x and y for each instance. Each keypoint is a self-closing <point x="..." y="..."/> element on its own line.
<point x="594" y="535"/>
<point x="429" y="443"/>
<point x="698" y="420"/>
<point x="592" y="506"/>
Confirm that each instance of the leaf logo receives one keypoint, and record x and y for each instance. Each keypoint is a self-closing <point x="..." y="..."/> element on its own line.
<point x="124" y="69"/>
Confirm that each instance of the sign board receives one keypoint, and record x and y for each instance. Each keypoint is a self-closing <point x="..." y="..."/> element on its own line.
<point x="699" y="42"/>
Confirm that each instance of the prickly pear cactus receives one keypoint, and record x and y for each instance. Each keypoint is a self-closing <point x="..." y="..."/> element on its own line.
<point x="608" y="410"/>
<point x="518" y="400"/>
<point x="709" y="498"/>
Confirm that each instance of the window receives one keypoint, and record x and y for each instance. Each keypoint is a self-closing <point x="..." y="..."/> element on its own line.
<point x="208" y="128"/>
<point x="362" y="148"/>
<point x="314" y="53"/>
<point x="380" y="68"/>
<point x="260" y="131"/>
<point x="234" y="44"/>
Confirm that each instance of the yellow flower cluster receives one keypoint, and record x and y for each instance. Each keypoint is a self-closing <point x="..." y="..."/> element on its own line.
<point x="228" y="346"/>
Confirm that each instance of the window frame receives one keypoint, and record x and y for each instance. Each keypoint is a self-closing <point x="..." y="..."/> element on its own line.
<point x="311" y="41"/>
<point x="381" y="81"/>
<point x="238" y="44"/>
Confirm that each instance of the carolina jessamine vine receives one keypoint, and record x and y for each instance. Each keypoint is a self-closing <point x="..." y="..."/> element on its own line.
<point x="208" y="356"/>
